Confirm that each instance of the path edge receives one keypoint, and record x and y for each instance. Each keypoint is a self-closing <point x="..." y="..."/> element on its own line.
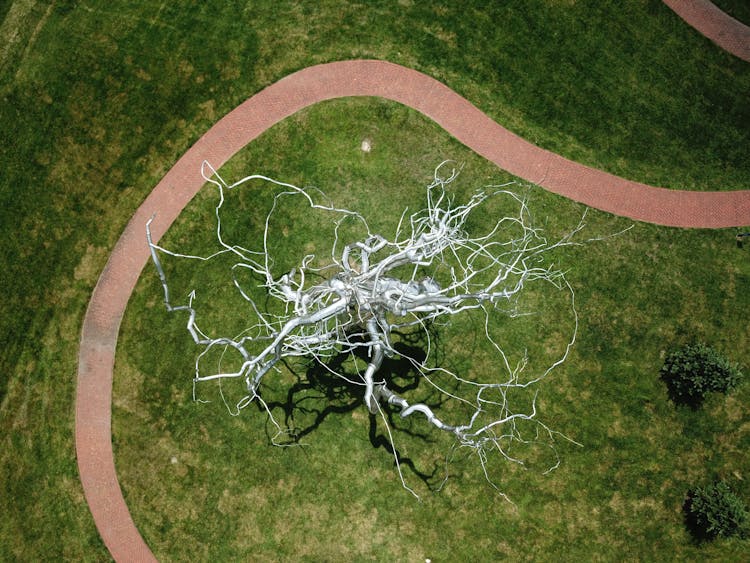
<point x="710" y="21"/>
<point x="243" y="124"/>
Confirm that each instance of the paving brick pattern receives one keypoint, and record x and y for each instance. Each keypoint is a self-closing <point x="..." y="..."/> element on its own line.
<point x="245" y="123"/>
<point x="728" y="33"/>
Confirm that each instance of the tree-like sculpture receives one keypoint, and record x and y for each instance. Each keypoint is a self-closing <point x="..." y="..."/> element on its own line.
<point x="369" y="290"/>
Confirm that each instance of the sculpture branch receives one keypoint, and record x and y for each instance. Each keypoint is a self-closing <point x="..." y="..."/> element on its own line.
<point x="373" y="288"/>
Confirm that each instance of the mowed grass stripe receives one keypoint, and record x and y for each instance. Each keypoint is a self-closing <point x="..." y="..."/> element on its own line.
<point x="109" y="95"/>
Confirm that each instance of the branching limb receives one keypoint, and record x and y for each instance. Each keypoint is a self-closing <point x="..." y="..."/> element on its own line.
<point x="370" y="289"/>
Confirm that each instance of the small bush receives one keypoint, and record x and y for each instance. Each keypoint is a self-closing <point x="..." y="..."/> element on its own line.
<point x="715" y="511"/>
<point x="695" y="370"/>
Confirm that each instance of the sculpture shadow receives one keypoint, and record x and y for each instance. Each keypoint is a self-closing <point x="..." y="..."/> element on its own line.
<point x="330" y="388"/>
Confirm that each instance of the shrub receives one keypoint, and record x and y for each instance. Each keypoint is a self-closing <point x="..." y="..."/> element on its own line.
<point x="715" y="511"/>
<point x="695" y="370"/>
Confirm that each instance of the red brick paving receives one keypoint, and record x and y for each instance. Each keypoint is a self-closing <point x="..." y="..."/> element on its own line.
<point x="728" y="33"/>
<point x="282" y="99"/>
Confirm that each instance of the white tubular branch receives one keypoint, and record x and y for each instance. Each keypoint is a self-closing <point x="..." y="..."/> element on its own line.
<point x="431" y="269"/>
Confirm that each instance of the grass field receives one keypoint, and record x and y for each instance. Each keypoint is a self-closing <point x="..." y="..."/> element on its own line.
<point x="624" y="487"/>
<point x="99" y="100"/>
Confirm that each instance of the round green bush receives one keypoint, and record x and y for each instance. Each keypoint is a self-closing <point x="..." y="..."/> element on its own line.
<point x="715" y="511"/>
<point x="695" y="370"/>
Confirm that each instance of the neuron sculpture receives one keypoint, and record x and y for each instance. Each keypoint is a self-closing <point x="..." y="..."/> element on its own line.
<point x="370" y="289"/>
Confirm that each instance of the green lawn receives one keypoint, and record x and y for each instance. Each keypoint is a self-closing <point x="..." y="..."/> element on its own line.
<point x="639" y="295"/>
<point x="99" y="99"/>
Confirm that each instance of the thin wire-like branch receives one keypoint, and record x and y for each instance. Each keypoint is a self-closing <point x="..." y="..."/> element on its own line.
<point x="431" y="270"/>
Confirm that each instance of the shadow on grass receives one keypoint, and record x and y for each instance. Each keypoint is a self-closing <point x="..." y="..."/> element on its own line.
<point x="678" y="397"/>
<point x="335" y="388"/>
<point x="697" y="532"/>
<point x="380" y="441"/>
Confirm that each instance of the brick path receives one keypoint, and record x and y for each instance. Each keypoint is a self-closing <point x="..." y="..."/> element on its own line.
<point x="230" y="134"/>
<point x="728" y="33"/>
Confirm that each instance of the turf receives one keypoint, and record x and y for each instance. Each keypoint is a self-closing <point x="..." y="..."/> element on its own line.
<point x="99" y="99"/>
<point x="639" y="295"/>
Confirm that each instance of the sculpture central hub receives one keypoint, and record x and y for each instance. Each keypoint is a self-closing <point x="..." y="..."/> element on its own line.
<point x="371" y="289"/>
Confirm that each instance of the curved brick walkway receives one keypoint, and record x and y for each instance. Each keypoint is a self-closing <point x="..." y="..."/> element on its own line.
<point x="230" y="134"/>
<point x="728" y="33"/>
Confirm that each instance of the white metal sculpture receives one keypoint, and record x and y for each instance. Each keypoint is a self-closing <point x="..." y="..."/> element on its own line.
<point x="367" y="290"/>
